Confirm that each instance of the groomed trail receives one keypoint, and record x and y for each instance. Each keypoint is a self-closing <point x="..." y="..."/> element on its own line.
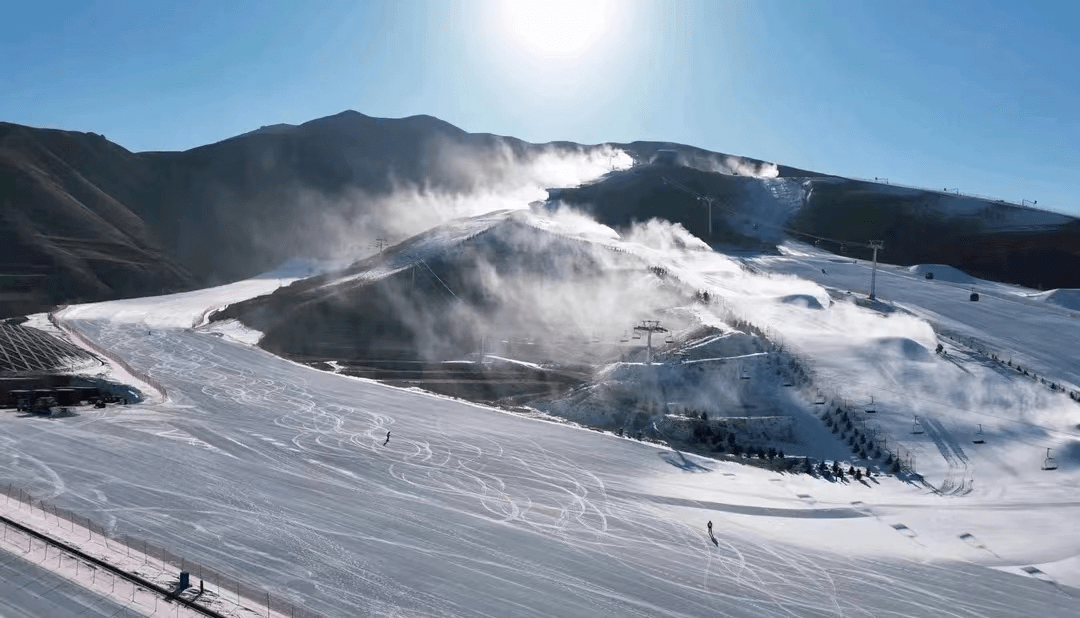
<point x="282" y="473"/>
<point x="278" y="471"/>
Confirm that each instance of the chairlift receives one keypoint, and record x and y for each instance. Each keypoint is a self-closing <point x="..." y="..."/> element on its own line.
<point x="637" y="335"/>
<point x="743" y="374"/>
<point x="917" y="426"/>
<point x="625" y="337"/>
<point x="1049" y="463"/>
<point x="978" y="439"/>
<point x="870" y="407"/>
<point x="669" y="339"/>
<point x="820" y="401"/>
<point x="974" y="296"/>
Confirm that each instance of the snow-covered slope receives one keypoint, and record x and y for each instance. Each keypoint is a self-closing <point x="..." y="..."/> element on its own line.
<point x="280" y="472"/>
<point x="1068" y="299"/>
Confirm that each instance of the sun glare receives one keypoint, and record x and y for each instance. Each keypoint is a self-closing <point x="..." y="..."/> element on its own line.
<point x="557" y="29"/>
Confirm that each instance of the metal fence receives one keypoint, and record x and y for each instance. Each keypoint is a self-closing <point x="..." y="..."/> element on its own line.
<point x="230" y="589"/>
<point x="83" y="339"/>
<point x="958" y="193"/>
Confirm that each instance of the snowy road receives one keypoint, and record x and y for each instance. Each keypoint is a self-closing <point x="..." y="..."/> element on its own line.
<point x="279" y="472"/>
<point x="30" y="591"/>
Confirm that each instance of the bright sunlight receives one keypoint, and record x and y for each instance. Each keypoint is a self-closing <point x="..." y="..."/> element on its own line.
<point x="557" y="29"/>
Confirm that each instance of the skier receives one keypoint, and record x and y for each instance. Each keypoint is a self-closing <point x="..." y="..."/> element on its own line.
<point x="710" y="527"/>
<point x="387" y="439"/>
<point x="823" y="271"/>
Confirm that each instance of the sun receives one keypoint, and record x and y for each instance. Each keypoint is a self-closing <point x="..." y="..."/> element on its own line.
<point x="557" y="29"/>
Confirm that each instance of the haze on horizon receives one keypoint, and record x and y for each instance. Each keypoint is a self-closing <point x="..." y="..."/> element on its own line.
<point x="975" y="96"/>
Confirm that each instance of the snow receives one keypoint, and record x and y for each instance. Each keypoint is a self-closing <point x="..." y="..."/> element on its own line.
<point x="278" y="471"/>
<point x="192" y="309"/>
<point x="1067" y="298"/>
<point x="74" y="585"/>
<point x="234" y="331"/>
<point x="943" y="272"/>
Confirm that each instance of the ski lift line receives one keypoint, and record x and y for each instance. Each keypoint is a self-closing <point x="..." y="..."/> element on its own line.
<point x="760" y="221"/>
<point x="440" y="280"/>
<point x="969" y="410"/>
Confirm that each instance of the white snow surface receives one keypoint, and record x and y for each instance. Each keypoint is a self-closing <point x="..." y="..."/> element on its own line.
<point x="942" y="272"/>
<point x="279" y="471"/>
<point x="191" y="309"/>
<point x="1067" y="298"/>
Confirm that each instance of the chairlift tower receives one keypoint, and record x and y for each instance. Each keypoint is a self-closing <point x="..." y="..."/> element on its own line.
<point x="380" y="242"/>
<point x="650" y="327"/>
<point x="708" y="202"/>
<point x="875" y="245"/>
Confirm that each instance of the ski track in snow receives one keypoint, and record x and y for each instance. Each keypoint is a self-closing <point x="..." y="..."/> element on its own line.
<point x="277" y="471"/>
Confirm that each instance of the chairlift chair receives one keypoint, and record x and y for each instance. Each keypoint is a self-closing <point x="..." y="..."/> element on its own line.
<point x="974" y="296"/>
<point x="625" y="337"/>
<point x="870" y="407"/>
<point x="669" y="339"/>
<point x="979" y="439"/>
<point x="1049" y="463"/>
<point x="743" y="375"/>
<point x="637" y="335"/>
<point x="917" y="426"/>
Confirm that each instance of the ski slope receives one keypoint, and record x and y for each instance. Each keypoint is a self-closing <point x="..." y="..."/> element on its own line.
<point x="277" y="471"/>
<point x="263" y="467"/>
<point x="1009" y="319"/>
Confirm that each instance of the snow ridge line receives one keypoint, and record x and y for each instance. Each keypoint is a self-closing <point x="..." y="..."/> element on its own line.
<point x="83" y="339"/>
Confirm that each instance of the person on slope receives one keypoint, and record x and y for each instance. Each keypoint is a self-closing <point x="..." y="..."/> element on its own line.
<point x="387" y="439"/>
<point x="710" y="527"/>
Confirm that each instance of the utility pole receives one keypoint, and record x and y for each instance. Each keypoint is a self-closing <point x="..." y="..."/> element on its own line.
<point x="875" y="245"/>
<point x="650" y="327"/>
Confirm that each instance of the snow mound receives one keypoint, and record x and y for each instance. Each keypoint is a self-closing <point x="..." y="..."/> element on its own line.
<point x="805" y="300"/>
<point x="902" y="347"/>
<point x="234" y="331"/>
<point x="1067" y="298"/>
<point x="942" y="272"/>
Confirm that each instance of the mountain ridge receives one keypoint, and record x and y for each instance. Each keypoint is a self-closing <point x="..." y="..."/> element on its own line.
<point x="84" y="219"/>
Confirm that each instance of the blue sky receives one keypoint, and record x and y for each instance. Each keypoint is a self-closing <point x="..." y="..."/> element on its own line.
<point x="980" y="96"/>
